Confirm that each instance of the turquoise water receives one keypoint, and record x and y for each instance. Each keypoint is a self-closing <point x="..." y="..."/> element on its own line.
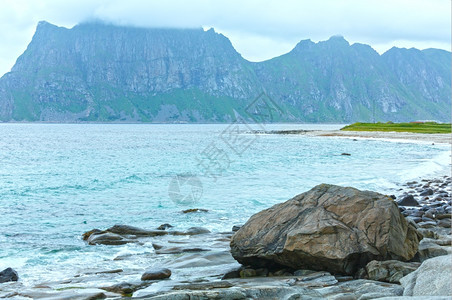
<point x="58" y="181"/>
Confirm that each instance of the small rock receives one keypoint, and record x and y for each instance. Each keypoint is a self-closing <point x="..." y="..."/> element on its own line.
<point x="87" y="234"/>
<point x="157" y="246"/>
<point x="426" y="192"/>
<point x="126" y="229"/>
<point x="262" y="272"/>
<point x="178" y="250"/>
<point x="247" y="273"/>
<point x="107" y="238"/>
<point x="236" y="228"/>
<point x="390" y="270"/>
<point x="426" y="233"/>
<point x="192" y="210"/>
<point x="429" y="249"/>
<point x="155" y="274"/>
<point x="234" y="273"/>
<point x="123" y="288"/>
<point x="164" y="226"/>
<point x="408" y="201"/>
<point x="427" y="224"/>
<point x="444" y="216"/>
<point x="192" y="231"/>
<point x="282" y="272"/>
<point x="303" y="272"/>
<point x="8" y="274"/>
<point x="446" y="223"/>
<point x="204" y="286"/>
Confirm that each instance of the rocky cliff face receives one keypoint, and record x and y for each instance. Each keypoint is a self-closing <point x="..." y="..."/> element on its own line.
<point x="99" y="72"/>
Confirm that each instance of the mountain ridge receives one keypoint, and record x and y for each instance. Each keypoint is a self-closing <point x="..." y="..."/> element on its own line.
<point x="97" y="72"/>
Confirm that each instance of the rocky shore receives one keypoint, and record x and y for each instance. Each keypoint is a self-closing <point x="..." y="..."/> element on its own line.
<point x="328" y="243"/>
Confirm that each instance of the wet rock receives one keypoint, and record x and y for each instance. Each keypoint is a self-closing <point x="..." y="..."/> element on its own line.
<point x="192" y="231"/>
<point x="427" y="233"/>
<point x="126" y="229"/>
<point x="427" y="224"/>
<point x="408" y="200"/>
<point x="107" y="238"/>
<point x="178" y="250"/>
<point x="164" y="226"/>
<point x="193" y="210"/>
<point x="390" y="270"/>
<point x="204" y="286"/>
<point x="426" y="192"/>
<point x="155" y="274"/>
<point x="429" y="249"/>
<point x="236" y="228"/>
<point x="432" y="278"/>
<point x="202" y="259"/>
<point x="87" y="234"/>
<point x="233" y="273"/>
<point x="303" y="272"/>
<point x="446" y="223"/>
<point x="427" y="219"/>
<point x="8" y="274"/>
<point x="360" y="289"/>
<point x="247" y="273"/>
<point x="328" y="228"/>
<point x="123" y="288"/>
<point x="157" y="246"/>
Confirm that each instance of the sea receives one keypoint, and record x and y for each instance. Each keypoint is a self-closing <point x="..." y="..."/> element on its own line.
<point x="58" y="181"/>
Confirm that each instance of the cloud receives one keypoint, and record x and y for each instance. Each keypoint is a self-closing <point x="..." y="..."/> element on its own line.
<point x="259" y="29"/>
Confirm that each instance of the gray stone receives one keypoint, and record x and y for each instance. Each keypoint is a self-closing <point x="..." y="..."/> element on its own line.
<point x="131" y="230"/>
<point x="408" y="200"/>
<point x="429" y="249"/>
<point x="390" y="270"/>
<point x="8" y="274"/>
<point x="426" y="192"/>
<point x="155" y="274"/>
<point x="107" y="238"/>
<point x="446" y="223"/>
<point x="432" y="278"/>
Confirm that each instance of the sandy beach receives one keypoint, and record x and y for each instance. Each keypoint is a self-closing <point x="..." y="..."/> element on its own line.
<point x="402" y="136"/>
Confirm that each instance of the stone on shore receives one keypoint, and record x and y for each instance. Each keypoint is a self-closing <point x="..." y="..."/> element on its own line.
<point x="107" y="238"/>
<point x="192" y="231"/>
<point x="8" y="274"/>
<point x="390" y="270"/>
<point x="329" y="228"/>
<point x="131" y="230"/>
<point x="429" y="248"/>
<point x="408" y="201"/>
<point x="154" y="274"/>
<point x="432" y="278"/>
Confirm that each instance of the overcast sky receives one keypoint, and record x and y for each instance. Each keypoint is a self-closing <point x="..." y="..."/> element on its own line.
<point x="259" y="30"/>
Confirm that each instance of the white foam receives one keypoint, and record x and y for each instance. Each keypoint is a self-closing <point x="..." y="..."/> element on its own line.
<point x="439" y="165"/>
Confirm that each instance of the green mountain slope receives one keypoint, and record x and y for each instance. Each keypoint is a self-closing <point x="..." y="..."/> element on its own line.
<point x="105" y="73"/>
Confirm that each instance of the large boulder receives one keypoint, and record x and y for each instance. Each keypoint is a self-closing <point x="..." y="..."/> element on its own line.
<point x="331" y="228"/>
<point x="432" y="278"/>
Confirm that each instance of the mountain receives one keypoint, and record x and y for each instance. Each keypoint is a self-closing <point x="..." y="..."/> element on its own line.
<point x="105" y="73"/>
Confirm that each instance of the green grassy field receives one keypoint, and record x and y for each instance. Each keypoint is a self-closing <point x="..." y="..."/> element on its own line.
<point x="427" y="127"/>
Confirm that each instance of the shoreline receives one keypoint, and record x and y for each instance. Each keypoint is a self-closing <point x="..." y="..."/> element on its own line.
<point x="439" y="138"/>
<point x="210" y="254"/>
